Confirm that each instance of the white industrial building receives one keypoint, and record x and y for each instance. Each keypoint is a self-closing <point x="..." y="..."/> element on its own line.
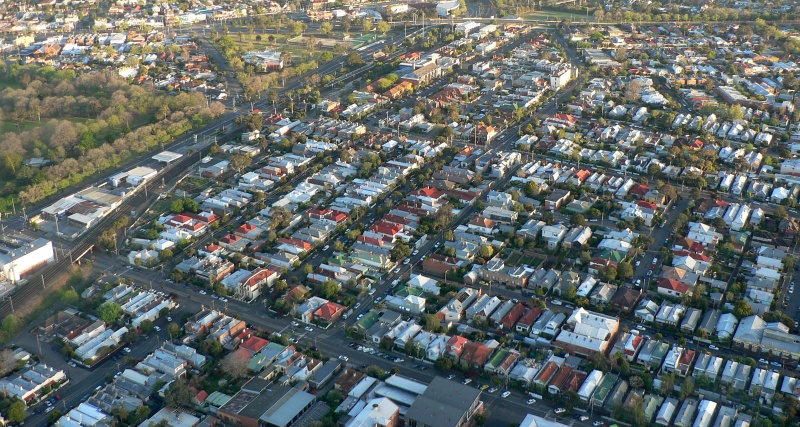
<point x="17" y="262"/>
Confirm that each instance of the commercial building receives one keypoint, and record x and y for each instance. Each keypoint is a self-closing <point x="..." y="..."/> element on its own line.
<point x="18" y="262"/>
<point x="445" y="403"/>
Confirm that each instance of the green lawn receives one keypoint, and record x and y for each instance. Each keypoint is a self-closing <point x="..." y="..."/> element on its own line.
<point x="553" y="15"/>
<point x="9" y="126"/>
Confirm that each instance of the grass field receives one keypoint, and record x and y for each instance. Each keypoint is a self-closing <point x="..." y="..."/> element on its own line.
<point x="281" y="43"/>
<point x="551" y="15"/>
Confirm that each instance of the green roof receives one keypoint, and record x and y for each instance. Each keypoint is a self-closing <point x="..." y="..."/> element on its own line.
<point x="498" y="358"/>
<point x="368" y="320"/>
<point x="614" y="256"/>
<point x="604" y="388"/>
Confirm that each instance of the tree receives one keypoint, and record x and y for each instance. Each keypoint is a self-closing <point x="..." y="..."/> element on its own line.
<point x="578" y="219"/>
<point x="601" y="362"/>
<point x="383" y="27"/>
<point x="399" y="251"/>
<point x="328" y="289"/>
<point x="7" y="361"/>
<point x="633" y="91"/>
<point x="147" y="326"/>
<point x="742" y="309"/>
<point x="70" y="296"/>
<point x="334" y="398"/>
<point x="486" y="252"/>
<point x="367" y="24"/>
<point x="178" y="394"/>
<point x="788" y="262"/>
<point x="173" y="330"/>
<point x="240" y="161"/>
<point x="354" y="60"/>
<point x="624" y="270"/>
<point x="54" y="416"/>
<point x="780" y="213"/>
<point x="432" y="322"/>
<point x="443" y="364"/>
<point x="667" y="384"/>
<point x="687" y="388"/>
<point x="235" y="364"/>
<point x="109" y="312"/>
<point x="16" y="412"/>
<point x="610" y="273"/>
<point x="531" y="189"/>
<point x="326" y="28"/>
<point x="636" y="382"/>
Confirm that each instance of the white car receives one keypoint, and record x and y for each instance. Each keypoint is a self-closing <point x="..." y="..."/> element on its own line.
<point x="415" y="252"/>
<point x="127" y="350"/>
<point x="560" y="410"/>
<point x="505" y="394"/>
<point x="169" y="319"/>
<point x="638" y="263"/>
<point x="531" y="401"/>
<point x="295" y="323"/>
<point x="309" y="328"/>
<point x="406" y="261"/>
<point x="343" y="358"/>
<point x="584" y="418"/>
<point x="202" y="292"/>
<point x="157" y="328"/>
<point x="467" y="381"/>
<point x="713" y="347"/>
<point x="641" y="328"/>
<point x="326" y="247"/>
<point x="764" y="361"/>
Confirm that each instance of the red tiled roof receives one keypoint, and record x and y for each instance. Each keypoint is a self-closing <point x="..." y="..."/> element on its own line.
<point x="673" y="285"/>
<point x="328" y="310"/>
<point x="201" y="396"/>
<point x="254" y="344"/>
<point x="530" y="316"/>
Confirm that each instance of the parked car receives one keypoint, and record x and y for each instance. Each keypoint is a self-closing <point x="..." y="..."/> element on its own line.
<point x="776" y="364"/>
<point x="505" y="394"/>
<point x="560" y="410"/>
<point x="764" y="361"/>
<point x="451" y="376"/>
<point x="343" y="358"/>
<point x="326" y="247"/>
<point x="713" y="347"/>
<point x="467" y="381"/>
<point x="531" y="401"/>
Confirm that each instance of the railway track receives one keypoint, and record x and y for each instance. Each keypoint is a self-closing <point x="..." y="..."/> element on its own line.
<point x="137" y="202"/>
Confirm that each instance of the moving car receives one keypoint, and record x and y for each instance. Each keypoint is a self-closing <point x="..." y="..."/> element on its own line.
<point x="343" y="358"/>
<point x="326" y="247"/>
<point x="531" y="401"/>
<point x="505" y="394"/>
